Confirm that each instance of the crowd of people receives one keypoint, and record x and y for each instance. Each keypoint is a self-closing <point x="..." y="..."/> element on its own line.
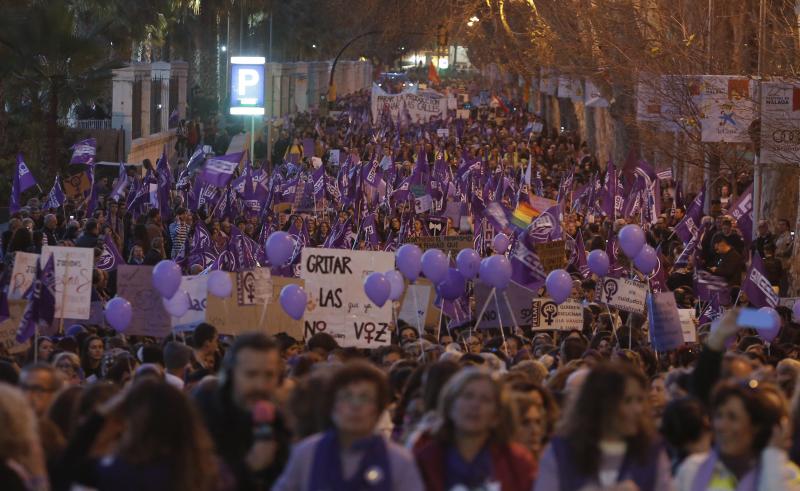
<point x="461" y="408"/>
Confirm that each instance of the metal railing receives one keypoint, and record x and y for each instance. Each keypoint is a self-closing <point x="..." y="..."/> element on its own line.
<point x="85" y="124"/>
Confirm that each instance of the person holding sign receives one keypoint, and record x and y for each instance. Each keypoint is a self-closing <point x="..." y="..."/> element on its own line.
<point x="349" y="455"/>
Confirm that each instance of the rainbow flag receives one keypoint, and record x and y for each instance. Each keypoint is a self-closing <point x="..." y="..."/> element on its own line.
<point x="523" y="215"/>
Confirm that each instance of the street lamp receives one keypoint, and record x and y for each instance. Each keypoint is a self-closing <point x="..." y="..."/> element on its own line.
<point x="223" y="48"/>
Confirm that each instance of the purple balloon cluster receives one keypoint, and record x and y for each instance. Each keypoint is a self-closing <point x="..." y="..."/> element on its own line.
<point x="167" y="281"/>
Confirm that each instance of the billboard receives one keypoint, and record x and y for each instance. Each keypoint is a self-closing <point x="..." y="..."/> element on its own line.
<point x="247" y="85"/>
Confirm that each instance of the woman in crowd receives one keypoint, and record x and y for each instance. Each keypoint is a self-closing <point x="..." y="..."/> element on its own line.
<point x="91" y="355"/>
<point x="606" y="437"/>
<point x="143" y="446"/>
<point x="750" y="439"/>
<point x="69" y="364"/>
<point x="472" y="446"/>
<point x="350" y="455"/>
<point x="22" y="466"/>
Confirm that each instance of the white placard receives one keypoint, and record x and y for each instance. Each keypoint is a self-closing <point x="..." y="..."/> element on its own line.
<point x="462" y="114"/>
<point x="337" y="303"/>
<point x="196" y="287"/>
<point x="73" y="267"/>
<point x="548" y="315"/>
<point x="22" y="275"/>
<point x="443" y="132"/>
<point x="414" y="308"/>
<point x="687" y="325"/>
<point x="780" y="122"/>
<point x="624" y="294"/>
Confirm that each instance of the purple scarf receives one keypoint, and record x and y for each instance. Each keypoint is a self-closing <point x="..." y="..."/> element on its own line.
<point x="373" y="473"/>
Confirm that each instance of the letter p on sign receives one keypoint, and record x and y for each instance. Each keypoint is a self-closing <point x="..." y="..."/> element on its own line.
<point x="247" y="78"/>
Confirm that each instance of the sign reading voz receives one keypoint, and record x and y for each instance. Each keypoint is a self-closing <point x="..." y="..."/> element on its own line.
<point x="247" y="85"/>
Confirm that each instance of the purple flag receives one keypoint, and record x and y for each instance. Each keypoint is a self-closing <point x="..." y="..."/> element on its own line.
<point x="83" y="152"/>
<point x="580" y="253"/>
<point x="201" y="250"/>
<point x="110" y="258"/>
<point x="742" y="212"/>
<point x="687" y="228"/>
<point x="196" y="160"/>
<point x="757" y="287"/>
<point x="41" y="308"/>
<point x="712" y="311"/>
<point x="707" y="284"/>
<point x="371" y="232"/>
<point x="121" y="185"/>
<point x="217" y="172"/>
<point x="546" y="227"/>
<point x="56" y="196"/>
<point x="26" y="179"/>
<point x="318" y="179"/>
<point x="526" y="267"/>
<point x="164" y="176"/>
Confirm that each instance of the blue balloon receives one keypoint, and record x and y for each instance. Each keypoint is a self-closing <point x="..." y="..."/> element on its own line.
<point x="396" y="283"/>
<point x="598" y="262"/>
<point x="647" y="259"/>
<point x="293" y="300"/>
<point x="434" y="265"/>
<point x="468" y="262"/>
<point x="377" y="288"/>
<point x="559" y="285"/>
<point x="496" y="271"/>
<point x="279" y="247"/>
<point x="409" y="261"/>
<point x="453" y="286"/>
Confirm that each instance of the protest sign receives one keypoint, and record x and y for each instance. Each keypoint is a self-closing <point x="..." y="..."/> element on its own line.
<point x="334" y="156"/>
<point x="231" y="318"/>
<point x="622" y="293"/>
<point x="552" y="255"/>
<point x="443" y="132"/>
<point x="449" y="244"/>
<point x="135" y="284"/>
<point x="414" y="304"/>
<point x="462" y="113"/>
<point x="548" y="315"/>
<point x="518" y="297"/>
<point x="254" y="287"/>
<point x="8" y="328"/>
<point x="22" y="275"/>
<point x="727" y="107"/>
<point x="780" y="121"/>
<point x="73" y="266"/>
<point x="337" y="302"/>
<point x="666" y="331"/>
<point x="687" y="325"/>
<point x="77" y="186"/>
<point x="196" y="288"/>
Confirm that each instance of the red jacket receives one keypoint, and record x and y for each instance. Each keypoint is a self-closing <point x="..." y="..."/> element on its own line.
<point x="512" y="465"/>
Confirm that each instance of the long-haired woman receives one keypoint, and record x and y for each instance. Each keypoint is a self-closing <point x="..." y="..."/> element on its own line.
<point x="22" y="462"/>
<point x="472" y="446"/>
<point x="606" y="437"/>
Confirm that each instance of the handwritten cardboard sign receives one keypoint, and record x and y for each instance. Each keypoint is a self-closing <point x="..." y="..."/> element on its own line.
<point x="229" y="317"/>
<point x="449" y="244"/>
<point x="135" y="284"/>
<point x="337" y="302"/>
<point x="73" y="268"/>
<point x="8" y="328"/>
<point x="622" y="293"/>
<point x="22" y="275"/>
<point x="552" y="255"/>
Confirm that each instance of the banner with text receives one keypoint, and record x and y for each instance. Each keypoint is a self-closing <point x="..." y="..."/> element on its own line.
<point x="73" y="267"/>
<point x="624" y="294"/>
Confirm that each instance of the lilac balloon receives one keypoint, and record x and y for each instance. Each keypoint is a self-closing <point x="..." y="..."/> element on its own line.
<point x="771" y="333"/>
<point x="647" y="259"/>
<point x="453" y="285"/>
<point x="219" y="284"/>
<point x="377" y="288"/>
<point x="167" y="278"/>
<point x="631" y="240"/>
<point x="178" y="304"/>
<point x="500" y="243"/>
<point x="409" y="261"/>
<point x="293" y="300"/>
<point x="280" y="247"/>
<point x="468" y="262"/>
<point x="119" y="313"/>
<point x="496" y="271"/>
<point x="796" y="309"/>
<point x="598" y="262"/>
<point x="396" y="283"/>
<point x="434" y="265"/>
<point x="559" y="285"/>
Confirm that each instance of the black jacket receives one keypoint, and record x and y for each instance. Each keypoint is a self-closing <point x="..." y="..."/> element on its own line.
<point x="232" y="431"/>
<point x="87" y="240"/>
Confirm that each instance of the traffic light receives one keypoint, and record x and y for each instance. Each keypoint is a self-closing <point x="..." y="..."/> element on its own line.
<point x="441" y="36"/>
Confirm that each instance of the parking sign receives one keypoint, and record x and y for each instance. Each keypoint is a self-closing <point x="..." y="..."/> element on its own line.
<point x="247" y="85"/>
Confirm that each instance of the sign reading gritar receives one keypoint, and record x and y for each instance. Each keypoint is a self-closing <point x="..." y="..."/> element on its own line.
<point x="624" y="294"/>
<point x="780" y="122"/>
<point x="337" y="303"/>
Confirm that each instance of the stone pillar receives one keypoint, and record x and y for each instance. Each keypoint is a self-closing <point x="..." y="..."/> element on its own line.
<point x="180" y="71"/>
<point x="143" y="74"/>
<point x="159" y="73"/>
<point x="301" y="86"/>
<point x="122" y="103"/>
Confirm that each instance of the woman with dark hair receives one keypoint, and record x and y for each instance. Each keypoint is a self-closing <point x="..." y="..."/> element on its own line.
<point x="349" y="455"/>
<point x="22" y="241"/>
<point x="91" y="354"/>
<point x="155" y="449"/>
<point x="472" y="446"/>
<point x="41" y="350"/>
<point x="606" y="437"/>
<point x="749" y="438"/>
